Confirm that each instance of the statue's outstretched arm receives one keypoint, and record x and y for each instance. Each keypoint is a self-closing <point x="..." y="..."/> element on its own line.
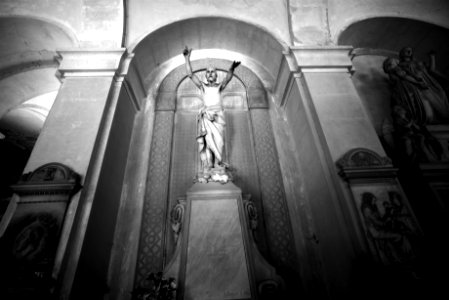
<point x="229" y="75"/>
<point x="192" y="76"/>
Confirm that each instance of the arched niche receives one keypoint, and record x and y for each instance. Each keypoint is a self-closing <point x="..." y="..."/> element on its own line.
<point x="170" y="86"/>
<point x="250" y="150"/>
<point x="210" y="37"/>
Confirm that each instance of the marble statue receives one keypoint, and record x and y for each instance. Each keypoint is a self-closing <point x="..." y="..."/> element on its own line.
<point x="416" y="90"/>
<point x="417" y="100"/>
<point x="211" y="122"/>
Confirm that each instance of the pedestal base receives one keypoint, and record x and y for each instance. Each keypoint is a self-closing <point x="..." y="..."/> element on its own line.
<point x="216" y="257"/>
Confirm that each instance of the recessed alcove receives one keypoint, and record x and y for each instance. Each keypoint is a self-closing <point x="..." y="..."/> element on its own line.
<point x="250" y="151"/>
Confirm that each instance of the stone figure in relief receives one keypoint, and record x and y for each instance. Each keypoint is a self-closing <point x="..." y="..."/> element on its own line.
<point x="211" y="122"/>
<point x="416" y="90"/>
<point x="389" y="226"/>
<point x="414" y="140"/>
<point x="418" y="100"/>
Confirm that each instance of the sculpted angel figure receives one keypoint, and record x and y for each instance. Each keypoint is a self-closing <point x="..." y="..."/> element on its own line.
<point x="211" y="121"/>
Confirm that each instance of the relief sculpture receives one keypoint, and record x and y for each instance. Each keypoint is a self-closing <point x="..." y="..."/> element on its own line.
<point x="418" y="100"/>
<point x="389" y="227"/>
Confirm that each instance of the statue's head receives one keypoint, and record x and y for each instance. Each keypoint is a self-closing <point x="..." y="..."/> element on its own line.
<point x="389" y="64"/>
<point x="406" y="53"/>
<point x="211" y="75"/>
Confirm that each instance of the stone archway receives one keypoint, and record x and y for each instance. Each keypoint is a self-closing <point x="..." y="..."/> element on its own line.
<point x="251" y="152"/>
<point x="284" y="113"/>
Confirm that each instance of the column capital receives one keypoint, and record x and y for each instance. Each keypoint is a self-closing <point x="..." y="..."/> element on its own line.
<point x="322" y="58"/>
<point x="89" y="62"/>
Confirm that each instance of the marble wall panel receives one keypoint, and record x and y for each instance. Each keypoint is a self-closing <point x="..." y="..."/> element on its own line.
<point x="279" y="234"/>
<point x="343" y="118"/>
<point x="184" y="165"/>
<point x="79" y="106"/>
<point x="216" y="248"/>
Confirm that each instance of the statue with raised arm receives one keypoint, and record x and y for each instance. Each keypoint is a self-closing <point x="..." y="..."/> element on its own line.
<point x="211" y="122"/>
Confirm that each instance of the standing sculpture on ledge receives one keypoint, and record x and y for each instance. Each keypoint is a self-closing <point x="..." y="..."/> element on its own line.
<point x="211" y="122"/>
<point x="418" y="101"/>
<point x="416" y="90"/>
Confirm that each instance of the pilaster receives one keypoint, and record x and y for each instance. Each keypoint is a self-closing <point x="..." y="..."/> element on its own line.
<point x="76" y="134"/>
<point x="339" y="109"/>
<point x="69" y="133"/>
<point x="321" y="95"/>
<point x="323" y="118"/>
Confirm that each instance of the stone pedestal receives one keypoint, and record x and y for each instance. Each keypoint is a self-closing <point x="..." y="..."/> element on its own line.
<point x="216" y="257"/>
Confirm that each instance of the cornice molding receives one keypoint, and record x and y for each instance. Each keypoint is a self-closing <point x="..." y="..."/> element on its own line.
<point x="323" y="59"/>
<point x="51" y="178"/>
<point x="362" y="163"/>
<point x="89" y="63"/>
<point x="30" y="60"/>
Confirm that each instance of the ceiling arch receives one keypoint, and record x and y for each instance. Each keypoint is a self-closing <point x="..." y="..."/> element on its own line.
<point x="390" y="34"/>
<point x="210" y="37"/>
<point x="26" y="40"/>
<point x="28" y="58"/>
<point x="27" y="71"/>
<point x="166" y="96"/>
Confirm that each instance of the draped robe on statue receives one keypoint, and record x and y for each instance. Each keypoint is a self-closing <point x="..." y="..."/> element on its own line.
<point x="414" y="98"/>
<point x="211" y="125"/>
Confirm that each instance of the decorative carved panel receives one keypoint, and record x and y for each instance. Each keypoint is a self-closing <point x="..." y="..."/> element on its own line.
<point x="384" y="213"/>
<point x="150" y="256"/>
